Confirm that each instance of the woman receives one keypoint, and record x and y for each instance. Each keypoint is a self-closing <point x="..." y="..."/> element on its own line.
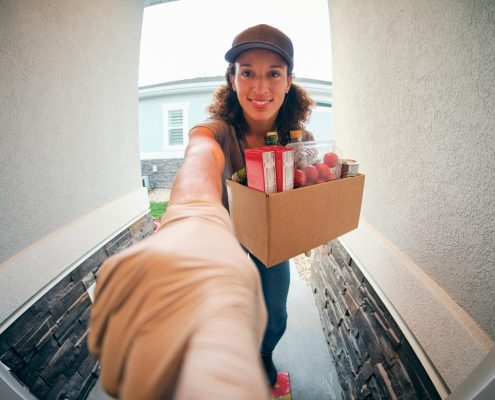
<point x="258" y="97"/>
<point x="186" y="303"/>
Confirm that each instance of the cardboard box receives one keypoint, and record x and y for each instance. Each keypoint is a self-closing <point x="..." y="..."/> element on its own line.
<point x="279" y="226"/>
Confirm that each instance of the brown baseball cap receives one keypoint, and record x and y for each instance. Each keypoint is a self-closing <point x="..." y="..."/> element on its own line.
<point x="262" y="37"/>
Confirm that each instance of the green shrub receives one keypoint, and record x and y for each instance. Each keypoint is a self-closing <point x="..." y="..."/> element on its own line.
<point x="157" y="209"/>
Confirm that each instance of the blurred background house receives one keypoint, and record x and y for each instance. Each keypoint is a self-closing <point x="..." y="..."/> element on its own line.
<point x="168" y="110"/>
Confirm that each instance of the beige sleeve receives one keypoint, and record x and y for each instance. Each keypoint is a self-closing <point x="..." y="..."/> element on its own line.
<point x="181" y="314"/>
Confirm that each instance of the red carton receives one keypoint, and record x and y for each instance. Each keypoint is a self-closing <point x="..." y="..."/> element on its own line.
<point x="260" y="170"/>
<point x="284" y="168"/>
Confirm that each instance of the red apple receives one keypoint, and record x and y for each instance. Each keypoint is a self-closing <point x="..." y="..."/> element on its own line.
<point x="331" y="159"/>
<point x="299" y="178"/>
<point x="311" y="174"/>
<point x="323" y="171"/>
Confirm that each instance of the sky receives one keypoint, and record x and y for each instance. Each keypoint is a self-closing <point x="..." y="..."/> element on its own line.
<point x="188" y="38"/>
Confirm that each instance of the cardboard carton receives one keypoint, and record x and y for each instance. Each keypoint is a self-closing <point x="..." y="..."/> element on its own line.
<point x="278" y="226"/>
<point x="260" y="169"/>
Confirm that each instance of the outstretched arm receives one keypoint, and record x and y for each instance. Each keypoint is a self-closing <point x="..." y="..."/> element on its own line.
<point x="181" y="313"/>
<point x="200" y="176"/>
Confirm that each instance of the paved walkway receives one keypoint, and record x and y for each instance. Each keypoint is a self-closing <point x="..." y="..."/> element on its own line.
<point x="159" y="195"/>
<point x="303" y="351"/>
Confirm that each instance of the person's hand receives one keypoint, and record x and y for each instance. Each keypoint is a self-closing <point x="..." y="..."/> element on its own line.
<point x="181" y="314"/>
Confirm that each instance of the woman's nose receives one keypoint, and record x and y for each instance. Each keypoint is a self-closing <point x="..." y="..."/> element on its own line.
<point x="261" y="84"/>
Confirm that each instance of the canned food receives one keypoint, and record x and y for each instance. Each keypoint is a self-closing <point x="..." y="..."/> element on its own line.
<point x="349" y="168"/>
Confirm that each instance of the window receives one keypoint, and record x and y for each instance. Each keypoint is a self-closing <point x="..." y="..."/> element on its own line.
<point x="175" y="126"/>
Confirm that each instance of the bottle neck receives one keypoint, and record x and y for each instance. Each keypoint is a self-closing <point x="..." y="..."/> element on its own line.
<point x="295" y="136"/>
<point x="271" y="138"/>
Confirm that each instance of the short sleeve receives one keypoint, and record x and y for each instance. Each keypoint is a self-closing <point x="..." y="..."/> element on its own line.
<point x="232" y="150"/>
<point x="219" y="128"/>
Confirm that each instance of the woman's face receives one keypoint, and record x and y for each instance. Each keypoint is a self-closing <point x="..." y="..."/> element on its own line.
<point x="261" y="81"/>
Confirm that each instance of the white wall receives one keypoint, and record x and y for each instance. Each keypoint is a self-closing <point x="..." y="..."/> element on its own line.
<point x="414" y="103"/>
<point x="70" y="172"/>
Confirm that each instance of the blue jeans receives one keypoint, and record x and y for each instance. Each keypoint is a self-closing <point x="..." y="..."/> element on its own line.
<point x="275" y="283"/>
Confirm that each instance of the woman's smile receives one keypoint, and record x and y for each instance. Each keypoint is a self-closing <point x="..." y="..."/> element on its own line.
<point x="260" y="104"/>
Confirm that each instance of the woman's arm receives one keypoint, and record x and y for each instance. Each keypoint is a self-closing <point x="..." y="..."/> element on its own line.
<point x="200" y="177"/>
<point x="205" y="292"/>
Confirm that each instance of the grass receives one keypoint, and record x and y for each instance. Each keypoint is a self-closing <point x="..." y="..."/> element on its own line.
<point x="157" y="209"/>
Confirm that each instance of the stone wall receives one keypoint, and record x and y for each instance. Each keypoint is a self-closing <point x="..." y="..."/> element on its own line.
<point x="46" y="347"/>
<point x="373" y="358"/>
<point x="166" y="169"/>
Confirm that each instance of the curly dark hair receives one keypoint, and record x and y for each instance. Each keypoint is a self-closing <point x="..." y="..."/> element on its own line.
<point x="293" y="114"/>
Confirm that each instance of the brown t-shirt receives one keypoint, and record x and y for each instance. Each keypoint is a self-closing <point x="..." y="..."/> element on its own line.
<point x="233" y="149"/>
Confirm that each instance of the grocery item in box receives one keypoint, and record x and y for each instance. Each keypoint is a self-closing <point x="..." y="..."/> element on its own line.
<point x="240" y="176"/>
<point x="349" y="168"/>
<point x="296" y="136"/>
<point x="271" y="138"/>
<point x="260" y="169"/>
<point x="284" y="166"/>
<point x="315" y="162"/>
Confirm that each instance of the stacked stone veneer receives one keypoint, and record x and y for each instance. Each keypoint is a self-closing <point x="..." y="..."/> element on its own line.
<point x="372" y="356"/>
<point x="166" y="169"/>
<point x="46" y="347"/>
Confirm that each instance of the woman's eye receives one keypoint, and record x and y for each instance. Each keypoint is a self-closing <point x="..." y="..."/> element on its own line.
<point x="246" y="74"/>
<point x="274" y="74"/>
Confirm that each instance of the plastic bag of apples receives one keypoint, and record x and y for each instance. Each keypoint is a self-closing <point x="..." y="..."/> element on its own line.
<point x="316" y="162"/>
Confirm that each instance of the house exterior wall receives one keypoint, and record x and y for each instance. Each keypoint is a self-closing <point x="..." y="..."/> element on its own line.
<point x="70" y="179"/>
<point x="160" y="172"/>
<point x="59" y="87"/>
<point x="414" y="104"/>
<point x="151" y="135"/>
